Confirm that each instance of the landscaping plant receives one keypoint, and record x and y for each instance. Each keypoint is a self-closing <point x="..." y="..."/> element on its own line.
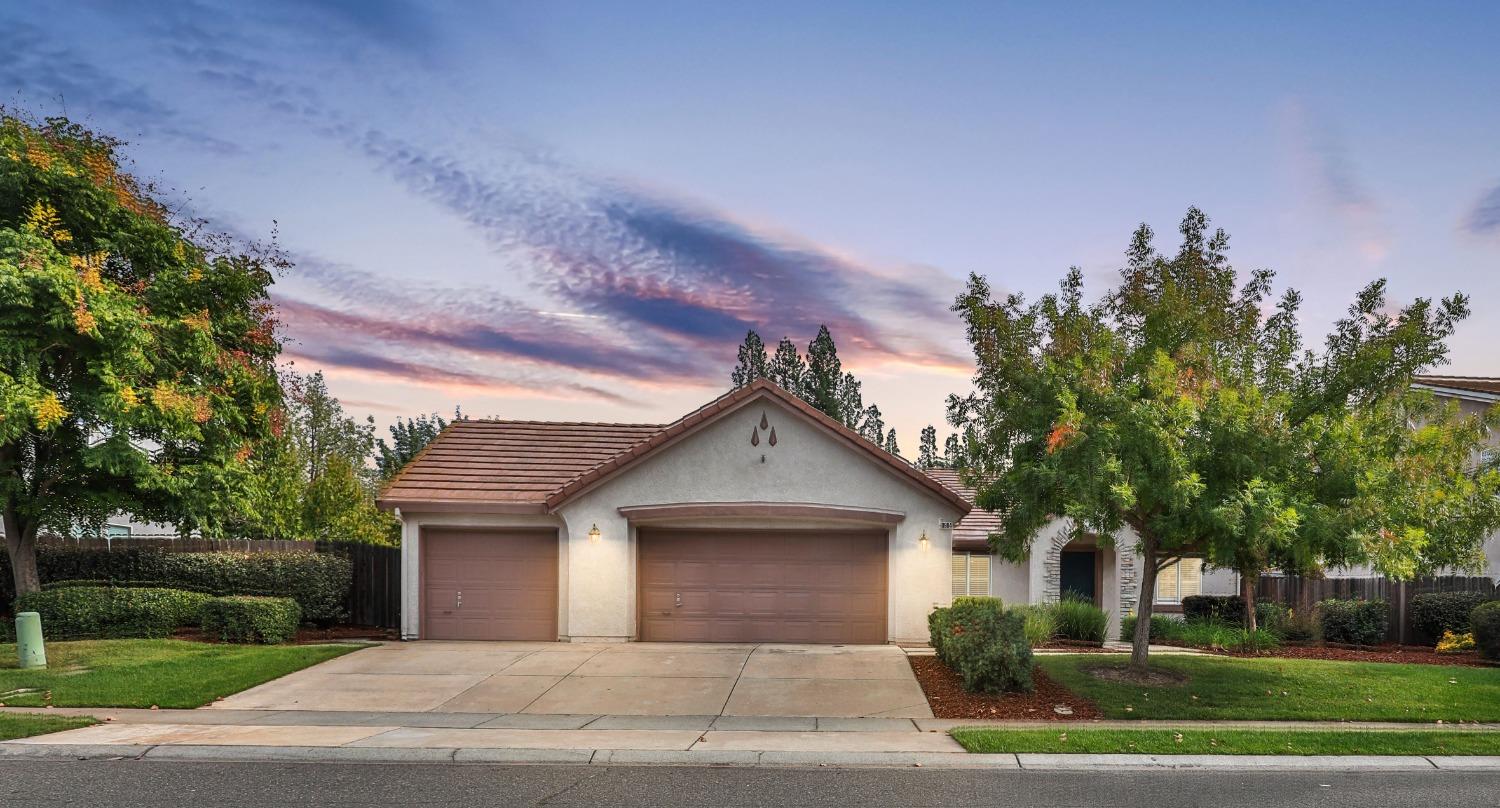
<point x="1080" y="621"/>
<point x="1040" y="623"/>
<point x="1485" y="623"/>
<point x="984" y="644"/>
<point x="1355" y="622"/>
<point x="103" y="612"/>
<point x="1183" y="406"/>
<point x="1435" y="613"/>
<point x="1451" y="643"/>
<point x="246" y="619"/>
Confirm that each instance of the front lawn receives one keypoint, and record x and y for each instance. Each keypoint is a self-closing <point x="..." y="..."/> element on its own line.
<point x="1213" y="687"/>
<point x="20" y="725"/>
<point x="1227" y="741"/>
<point x="142" y="673"/>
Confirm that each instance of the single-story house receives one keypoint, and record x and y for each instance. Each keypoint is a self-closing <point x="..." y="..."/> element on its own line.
<point x="755" y="518"/>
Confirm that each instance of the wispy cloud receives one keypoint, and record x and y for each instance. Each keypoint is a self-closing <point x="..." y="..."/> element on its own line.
<point x="1484" y="219"/>
<point x="1328" y="165"/>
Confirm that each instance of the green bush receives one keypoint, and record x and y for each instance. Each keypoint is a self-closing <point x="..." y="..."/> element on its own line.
<point x="92" y="612"/>
<point x="1272" y="617"/>
<point x="251" y="619"/>
<point x="1356" y="622"/>
<point x="1219" y="635"/>
<point x="1040" y="623"/>
<point x="939" y="620"/>
<point x="1080" y="620"/>
<point x="1223" y="608"/>
<point x="1433" y="613"/>
<point x="1163" y="628"/>
<point x="1484" y="622"/>
<point x="985" y="645"/>
<point x="319" y="582"/>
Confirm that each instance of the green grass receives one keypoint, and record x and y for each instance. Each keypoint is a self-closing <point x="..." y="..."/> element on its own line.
<point x="142" y="673"/>
<point x="19" y="725"/>
<point x="1286" y="689"/>
<point x="1228" y="742"/>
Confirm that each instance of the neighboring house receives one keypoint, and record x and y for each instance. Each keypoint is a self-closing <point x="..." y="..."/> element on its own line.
<point x="753" y="519"/>
<point x="125" y="526"/>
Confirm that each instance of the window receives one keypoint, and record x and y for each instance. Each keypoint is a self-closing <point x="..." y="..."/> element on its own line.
<point x="1179" y="579"/>
<point x="117" y="531"/>
<point x="971" y="574"/>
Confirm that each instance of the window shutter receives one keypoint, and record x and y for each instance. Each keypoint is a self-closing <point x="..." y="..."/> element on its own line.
<point x="1166" y="583"/>
<point x="960" y="574"/>
<point x="1190" y="577"/>
<point x="979" y="574"/>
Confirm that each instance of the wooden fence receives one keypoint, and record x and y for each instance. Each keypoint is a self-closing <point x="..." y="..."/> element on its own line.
<point x="374" y="599"/>
<point x="1302" y="593"/>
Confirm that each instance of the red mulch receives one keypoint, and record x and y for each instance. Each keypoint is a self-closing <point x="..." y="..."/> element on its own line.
<point x="1383" y="653"/>
<point x="309" y="636"/>
<point x="948" y="699"/>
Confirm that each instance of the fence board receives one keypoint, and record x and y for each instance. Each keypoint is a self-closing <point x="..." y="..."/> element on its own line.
<point x="1302" y="593"/>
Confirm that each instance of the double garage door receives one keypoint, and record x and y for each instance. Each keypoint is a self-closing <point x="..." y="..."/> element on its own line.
<point x="693" y="585"/>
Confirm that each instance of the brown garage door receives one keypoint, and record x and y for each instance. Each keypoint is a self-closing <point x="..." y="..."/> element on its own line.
<point x="489" y="586"/>
<point x="762" y="586"/>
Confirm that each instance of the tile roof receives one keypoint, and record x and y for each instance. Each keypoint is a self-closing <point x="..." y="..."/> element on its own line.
<point x="537" y="465"/>
<point x="973" y="530"/>
<point x="1474" y="384"/>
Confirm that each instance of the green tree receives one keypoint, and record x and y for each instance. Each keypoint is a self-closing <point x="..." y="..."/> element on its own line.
<point x="408" y="437"/>
<point x="752" y="363"/>
<point x="136" y="356"/>
<point x="873" y="427"/>
<point x="824" y="385"/>
<point x="890" y="443"/>
<point x="851" y="402"/>
<point x="787" y="369"/>
<point x="927" y="448"/>
<point x="952" y="453"/>
<point x="1176" y="409"/>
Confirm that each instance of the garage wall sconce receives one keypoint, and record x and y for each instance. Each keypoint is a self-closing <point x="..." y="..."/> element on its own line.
<point x="922" y="542"/>
<point x="594" y="534"/>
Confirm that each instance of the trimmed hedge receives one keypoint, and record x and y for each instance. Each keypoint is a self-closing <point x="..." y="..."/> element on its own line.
<point x="1484" y="620"/>
<point x="107" y="612"/>
<point x="1223" y="608"/>
<point x="1356" y="622"/>
<point x="251" y="619"/>
<point x="1433" y="613"/>
<point x="984" y="644"/>
<point x="319" y="582"/>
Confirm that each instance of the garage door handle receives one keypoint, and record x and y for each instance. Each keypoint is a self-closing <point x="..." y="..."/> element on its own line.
<point x="679" y="600"/>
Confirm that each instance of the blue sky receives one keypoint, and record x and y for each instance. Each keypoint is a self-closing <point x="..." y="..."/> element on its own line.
<point x="574" y="210"/>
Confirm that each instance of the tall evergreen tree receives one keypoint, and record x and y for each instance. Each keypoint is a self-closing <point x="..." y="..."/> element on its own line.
<point x="752" y="361"/>
<point x="823" y="384"/>
<point x="408" y="437"/>
<point x="890" y="443"/>
<point x="787" y="368"/>
<point x="851" y="402"/>
<point x="952" y="453"/>
<point x="873" y="428"/>
<point x="927" y="449"/>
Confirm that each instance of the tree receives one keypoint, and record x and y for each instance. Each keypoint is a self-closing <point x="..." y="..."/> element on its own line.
<point x="873" y="428"/>
<point x="824" y="385"/>
<point x="136" y="354"/>
<point x="1175" y="409"/>
<point x="851" y="402"/>
<point x="890" y="443"/>
<point x="752" y="361"/>
<point x="408" y="437"/>
<point x="952" y="453"/>
<point x="927" y="448"/>
<point x="787" y="368"/>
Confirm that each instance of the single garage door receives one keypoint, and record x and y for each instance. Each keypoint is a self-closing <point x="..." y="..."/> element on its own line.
<point x="762" y="586"/>
<point x="489" y="585"/>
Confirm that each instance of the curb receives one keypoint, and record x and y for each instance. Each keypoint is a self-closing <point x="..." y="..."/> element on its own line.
<point x="637" y="757"/>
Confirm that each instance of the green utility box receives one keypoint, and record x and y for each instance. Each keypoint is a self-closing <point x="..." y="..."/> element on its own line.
<point x="29" y="640"/>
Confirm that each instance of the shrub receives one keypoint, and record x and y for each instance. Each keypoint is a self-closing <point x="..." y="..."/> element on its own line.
<point x="319" y="582"/>
<point x="1080" y="620"/>
<point x="1273" y="617"/>
<point x="985" y="645"/>
<point x="1454" y="643"/>
<point x="1040" y="624"/>
<point x="1217" y="634"/>
<point x="1223" y="608"/>
<point x="251" y="619"/>
<point x="938" y="623"/>
<point x="1435" y="613"/>
<point x="1299" y="626"/>
<point x="1163" y="628"/>
<point x="90" y="612"/>
<point x="1484" y="621"/>
<point x="1356" y="622"/>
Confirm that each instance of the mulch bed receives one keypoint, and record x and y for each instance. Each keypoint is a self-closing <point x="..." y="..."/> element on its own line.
<point x="308" y="635"/>
<point x="1384" y="653"/>
<point x="948" y="699"/>
<point x="1078" y="649"/>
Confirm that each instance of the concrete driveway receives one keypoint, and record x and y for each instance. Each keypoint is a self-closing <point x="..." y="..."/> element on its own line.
<point x="664" y="679"/>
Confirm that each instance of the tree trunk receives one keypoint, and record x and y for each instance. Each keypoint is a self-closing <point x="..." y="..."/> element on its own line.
<point x="1140" y="646"/>
<point x="20" y="544"/>
<point x="1248" y="580"/>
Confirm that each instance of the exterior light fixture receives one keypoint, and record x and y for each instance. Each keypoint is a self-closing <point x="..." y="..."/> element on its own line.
<point x="922" y="542"/>
<point x="594" y="534"/>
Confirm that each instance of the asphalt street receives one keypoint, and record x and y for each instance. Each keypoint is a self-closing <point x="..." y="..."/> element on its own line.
<point x="163" y="784"/>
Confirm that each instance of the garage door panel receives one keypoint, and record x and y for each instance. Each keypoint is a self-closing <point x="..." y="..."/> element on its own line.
<point x="763" y="586"/>
<point x="508" y="583"/>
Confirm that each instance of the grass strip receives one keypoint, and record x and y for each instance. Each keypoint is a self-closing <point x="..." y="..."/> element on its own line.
<point x="1228" y="741"/>
<point x="21" y="725"/>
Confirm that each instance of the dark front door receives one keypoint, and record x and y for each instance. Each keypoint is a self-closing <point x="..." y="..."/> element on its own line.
<point x="1078" y="575"/>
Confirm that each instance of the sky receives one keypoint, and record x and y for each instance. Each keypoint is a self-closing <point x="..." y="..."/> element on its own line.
<point x="574" y="211"/>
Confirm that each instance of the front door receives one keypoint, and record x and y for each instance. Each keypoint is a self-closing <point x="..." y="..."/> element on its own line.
<point x="1078" y="575"/>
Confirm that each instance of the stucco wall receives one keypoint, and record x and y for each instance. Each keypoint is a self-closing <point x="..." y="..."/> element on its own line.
<point x="719" y="464"/>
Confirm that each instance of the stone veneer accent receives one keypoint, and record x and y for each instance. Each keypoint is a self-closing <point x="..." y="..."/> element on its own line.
<point x="1052" y="572"/>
